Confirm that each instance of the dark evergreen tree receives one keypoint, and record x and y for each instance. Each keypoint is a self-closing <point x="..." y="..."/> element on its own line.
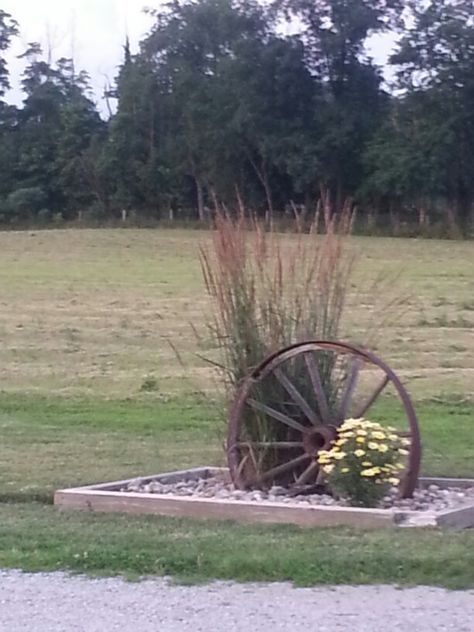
<point x="8" y="117"/>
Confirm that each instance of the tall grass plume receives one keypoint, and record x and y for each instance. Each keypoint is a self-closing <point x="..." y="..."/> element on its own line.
<point x="268" y="292"/>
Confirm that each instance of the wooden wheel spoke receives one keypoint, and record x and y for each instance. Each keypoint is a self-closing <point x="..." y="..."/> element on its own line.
<point x="307" y="474"/>
<point x="368" y="403"/>
<point x="313" y="371"/>
<point x="280" y="469"/>
<point x="350" y="388"/>
<point x="242" y="464"/>
<point x="270" y="444"/>
<point x="296" y="396"/>
<point x="276" y="414"/>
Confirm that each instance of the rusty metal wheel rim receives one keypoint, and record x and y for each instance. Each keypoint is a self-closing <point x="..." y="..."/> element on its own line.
<point x="321" y="428"/>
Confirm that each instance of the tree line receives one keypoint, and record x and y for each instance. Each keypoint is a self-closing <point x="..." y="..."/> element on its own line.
<point x="220" y="108"/>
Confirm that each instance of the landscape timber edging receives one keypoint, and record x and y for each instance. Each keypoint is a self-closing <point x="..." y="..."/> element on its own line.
<point x="107" y="497"/>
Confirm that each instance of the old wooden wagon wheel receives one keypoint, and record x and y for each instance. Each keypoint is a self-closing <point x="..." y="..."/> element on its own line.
<point x="288" y="409"/>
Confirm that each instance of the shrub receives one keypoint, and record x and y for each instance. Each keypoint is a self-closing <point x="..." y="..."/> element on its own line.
<point x="364" y="461"/>
<point x="149" y="384"/>
<point x="26" y="202"/>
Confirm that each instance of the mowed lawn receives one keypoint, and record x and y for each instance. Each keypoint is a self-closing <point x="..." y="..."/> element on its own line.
<point x="93" y="312"/>
<point x="102" y="340"/>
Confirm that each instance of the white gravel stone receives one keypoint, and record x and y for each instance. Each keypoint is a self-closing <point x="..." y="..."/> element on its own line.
<point x="431" y="499"/>
<point x="60" y="603"/>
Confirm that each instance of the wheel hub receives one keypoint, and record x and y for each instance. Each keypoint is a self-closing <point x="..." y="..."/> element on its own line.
<point x="318" y="438"/>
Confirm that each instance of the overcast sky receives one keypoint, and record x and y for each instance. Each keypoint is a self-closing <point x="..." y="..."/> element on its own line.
<point x="93" y="31"/>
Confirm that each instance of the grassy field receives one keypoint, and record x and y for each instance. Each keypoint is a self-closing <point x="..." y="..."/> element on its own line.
<point x="92" y="390"/>
<point x="92" y="312"/>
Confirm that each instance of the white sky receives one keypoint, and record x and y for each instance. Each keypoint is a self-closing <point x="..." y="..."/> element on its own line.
<point x="93" y="31"/>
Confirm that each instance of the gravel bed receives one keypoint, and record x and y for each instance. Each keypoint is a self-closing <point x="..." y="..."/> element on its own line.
<point x="433" y="498"/>
<point x="60" y="603"/>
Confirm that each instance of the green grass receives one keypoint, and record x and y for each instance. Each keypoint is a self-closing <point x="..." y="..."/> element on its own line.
<point x="447" y="433"/>
<point x="93" y="391"/>
<point x="37" y="537"/>
<point x="91" y="312"/>
<point x="53" y="442"/>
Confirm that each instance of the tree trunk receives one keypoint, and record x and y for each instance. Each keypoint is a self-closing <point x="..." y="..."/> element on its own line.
<point x="423" y="219"/>
<point x="371" y="219"/>
<point x="339" y="195"/>
<point x="452" y="218"/>
<point x="470" y="221"/>
<point x="394" y="221"/>
<point x="325" y="204"/>
<point x="215" y="200"/>
<point x="240" y="203"/>
<point x="200" y="199"/>
<point x="268" y="195"/>
<point x="263" y="177"/>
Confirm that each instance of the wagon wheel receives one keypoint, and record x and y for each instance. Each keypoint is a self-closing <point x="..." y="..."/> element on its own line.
<point x="287" y="410"/>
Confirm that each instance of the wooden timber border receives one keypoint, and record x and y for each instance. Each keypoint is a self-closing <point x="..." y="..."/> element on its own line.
<point x="108" y="497"/>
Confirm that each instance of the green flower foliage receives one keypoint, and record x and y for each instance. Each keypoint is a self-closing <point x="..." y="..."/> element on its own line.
<point x="364" y="461"/>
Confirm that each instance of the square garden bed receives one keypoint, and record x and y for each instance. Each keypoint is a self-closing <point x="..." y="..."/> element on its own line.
<point x="204" y="493"/>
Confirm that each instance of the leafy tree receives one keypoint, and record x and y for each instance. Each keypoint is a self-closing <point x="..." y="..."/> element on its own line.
<point x="335" y="33"/>
<point x="436" y="69"/>
<point x="218" y="108"/>
<point x="269" y="113"/>
<point x="131" y="158"/>
<point x="406" y="158"/>
<point x="188" y="47"/>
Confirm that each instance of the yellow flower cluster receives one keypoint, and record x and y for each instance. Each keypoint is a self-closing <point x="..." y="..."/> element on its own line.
<point x="365" y="448"/>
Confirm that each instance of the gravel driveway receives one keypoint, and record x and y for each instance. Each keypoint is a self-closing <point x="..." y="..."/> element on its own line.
<point x="60" y="603"/>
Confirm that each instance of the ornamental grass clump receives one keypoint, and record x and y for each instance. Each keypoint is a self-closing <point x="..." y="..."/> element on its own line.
<point x="364" y="461"/>
<point x="270" y="290"/>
